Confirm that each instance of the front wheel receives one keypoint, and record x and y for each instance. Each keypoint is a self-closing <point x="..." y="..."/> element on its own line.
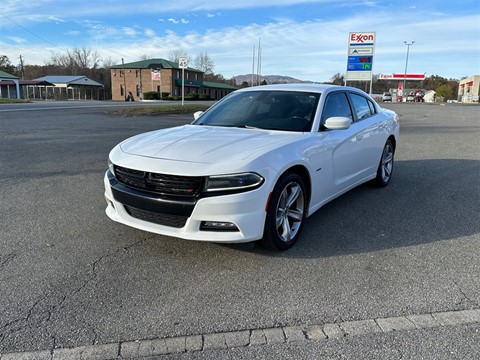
<point x="285" y="213"/>
<point x="385" y="168"/>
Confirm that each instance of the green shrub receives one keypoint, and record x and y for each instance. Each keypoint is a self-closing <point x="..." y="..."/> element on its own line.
<point x="151" y="95"/>
<point x="192" y="96"/>
<point x="204" y="97"/>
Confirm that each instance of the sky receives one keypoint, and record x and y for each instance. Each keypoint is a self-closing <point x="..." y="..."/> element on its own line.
<point x="304" y="39"/>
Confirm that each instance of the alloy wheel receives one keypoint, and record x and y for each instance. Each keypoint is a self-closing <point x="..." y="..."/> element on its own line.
<point x="289" y="214"/>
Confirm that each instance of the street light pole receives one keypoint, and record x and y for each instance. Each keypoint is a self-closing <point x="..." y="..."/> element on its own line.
<point x="406" y="65"/>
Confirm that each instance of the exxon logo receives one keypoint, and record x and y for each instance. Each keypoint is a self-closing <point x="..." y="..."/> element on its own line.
<point x="361" y="38"/>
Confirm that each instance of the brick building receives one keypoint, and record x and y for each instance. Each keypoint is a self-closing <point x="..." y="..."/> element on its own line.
<point x="164" y="77"/>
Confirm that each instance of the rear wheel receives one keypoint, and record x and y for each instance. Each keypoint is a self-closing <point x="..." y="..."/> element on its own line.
<point x="385" y="168"/>
<point x="285" y="213"/>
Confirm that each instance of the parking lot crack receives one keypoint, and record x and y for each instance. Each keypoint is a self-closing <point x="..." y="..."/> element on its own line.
<point x="465" y="296"/>
<point x="21" y="322"/>
<point x="7" y="259"/>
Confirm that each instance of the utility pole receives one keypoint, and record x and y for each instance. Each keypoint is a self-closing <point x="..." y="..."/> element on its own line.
<point x="21" y="67"/>
<point x="253" y="65"/>
<point x="406" y="66"/>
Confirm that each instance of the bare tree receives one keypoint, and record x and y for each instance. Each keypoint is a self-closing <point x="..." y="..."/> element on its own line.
<point x="76" y="61"/>
<point x="145" y="57"/>
<point x="204" y="63"/>
<point x="175" y="55"/>
<point x="108" y="63"/>
<point x="337" y="79"/>
<point x="86" y="58"/>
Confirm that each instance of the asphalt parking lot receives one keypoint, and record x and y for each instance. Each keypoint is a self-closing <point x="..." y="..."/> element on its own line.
<point x="385" y="273"/>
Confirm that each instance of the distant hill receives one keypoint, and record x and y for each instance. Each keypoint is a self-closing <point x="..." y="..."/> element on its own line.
<point x="270" y="79"/>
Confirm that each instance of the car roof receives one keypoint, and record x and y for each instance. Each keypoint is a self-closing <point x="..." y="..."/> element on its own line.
<point x="309" y="87"/>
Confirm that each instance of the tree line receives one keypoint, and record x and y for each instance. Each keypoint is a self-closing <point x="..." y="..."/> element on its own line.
<point x="87" y="62"/>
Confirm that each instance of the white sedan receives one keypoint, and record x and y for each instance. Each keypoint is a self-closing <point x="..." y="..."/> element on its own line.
<point x="254" y="166"/>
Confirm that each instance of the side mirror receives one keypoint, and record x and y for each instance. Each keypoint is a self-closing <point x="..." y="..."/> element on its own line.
<point x="338" y="123"/>
<point x="196" y="115"/>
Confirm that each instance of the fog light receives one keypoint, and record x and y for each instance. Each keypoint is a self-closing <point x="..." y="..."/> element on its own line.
<point x="217" y="226"/>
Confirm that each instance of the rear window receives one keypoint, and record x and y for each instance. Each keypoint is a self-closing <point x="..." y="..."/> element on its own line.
<point x="337" y="105"/>
<point x="361" y="106"/>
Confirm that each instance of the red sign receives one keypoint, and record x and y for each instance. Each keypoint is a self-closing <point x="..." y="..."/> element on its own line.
<point x="361" y="39"/>
<point x="402" y="76"/>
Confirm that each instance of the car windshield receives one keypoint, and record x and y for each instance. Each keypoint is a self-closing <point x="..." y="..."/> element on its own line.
<point x="272" y="110"/>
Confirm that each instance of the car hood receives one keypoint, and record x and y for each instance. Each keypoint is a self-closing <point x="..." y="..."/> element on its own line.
<point x="205" y="144"/>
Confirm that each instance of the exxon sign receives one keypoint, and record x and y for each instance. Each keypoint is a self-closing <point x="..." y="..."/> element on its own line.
<point x="358" y="39"/>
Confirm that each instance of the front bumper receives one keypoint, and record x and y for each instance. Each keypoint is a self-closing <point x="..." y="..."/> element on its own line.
<point x="183" y="218"/>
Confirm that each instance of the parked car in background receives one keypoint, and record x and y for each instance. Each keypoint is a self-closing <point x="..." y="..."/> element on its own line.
<point x="415" y="96"/>
<point x="253" y="166"/>
<point x="387" y="97"/>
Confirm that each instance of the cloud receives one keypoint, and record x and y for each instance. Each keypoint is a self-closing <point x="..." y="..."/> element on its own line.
<point x="317" y="49"/>
<point x="149" y="33"/>
<point x="72" y="33"/>
<point x="17" y="40"/>
<point x="129" y="31"/>
<point x="56" y="19"/>
<point x="309" y="48"/>
<point x="174" y="21"/>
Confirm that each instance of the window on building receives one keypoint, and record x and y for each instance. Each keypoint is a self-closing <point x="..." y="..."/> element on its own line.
<point x="137" y="73"/>
<point x="137" y="88"/>
<point x="122" y="91"/>
<point x="121" y="73"/>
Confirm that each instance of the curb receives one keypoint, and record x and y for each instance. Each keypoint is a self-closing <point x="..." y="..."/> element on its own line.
<point x="252" y="337"/>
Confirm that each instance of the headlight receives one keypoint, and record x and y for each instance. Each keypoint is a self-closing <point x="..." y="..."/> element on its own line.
<point x="241" y="181"/>
<point x="110" y="167"/>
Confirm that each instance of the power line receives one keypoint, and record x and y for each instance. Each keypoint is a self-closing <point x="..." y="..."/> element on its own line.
<point x="31" y="32"/>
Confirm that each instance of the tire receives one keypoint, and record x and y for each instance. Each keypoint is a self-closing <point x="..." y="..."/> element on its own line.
<point x="285" y="213"/>
<point x="385" y="168"/>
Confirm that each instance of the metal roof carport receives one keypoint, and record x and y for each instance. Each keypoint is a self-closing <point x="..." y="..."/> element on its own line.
<point x="9" y="85"/>
<point x="32" y="89"/>
<point x="71" y="88"/>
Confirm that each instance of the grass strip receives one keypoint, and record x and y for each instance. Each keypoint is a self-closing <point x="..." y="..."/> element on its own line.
<point x="162" y="109"/>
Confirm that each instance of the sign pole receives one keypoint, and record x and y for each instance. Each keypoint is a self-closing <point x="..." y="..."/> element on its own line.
<point x="183" y="85"/>
<point x="182" y="62"/>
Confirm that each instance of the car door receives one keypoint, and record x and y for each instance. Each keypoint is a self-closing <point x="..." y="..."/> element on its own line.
<point x="369" y="136"/>
<point x="346" y="156"/>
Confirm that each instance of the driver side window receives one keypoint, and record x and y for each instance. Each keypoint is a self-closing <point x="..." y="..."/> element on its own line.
<point x="336" y="105"/>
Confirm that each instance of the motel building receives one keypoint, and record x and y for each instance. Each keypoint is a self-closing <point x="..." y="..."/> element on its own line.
<point x="469" y="89"/>
<point x="164" y="77"/>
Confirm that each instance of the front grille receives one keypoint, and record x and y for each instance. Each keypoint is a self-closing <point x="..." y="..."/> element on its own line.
<point x="176" y="221"/>
<point x="159" y="183"/>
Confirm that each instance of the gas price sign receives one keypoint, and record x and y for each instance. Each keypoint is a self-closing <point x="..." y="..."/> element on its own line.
<point x="361" y="50"/>
<point x="360" y="63"/>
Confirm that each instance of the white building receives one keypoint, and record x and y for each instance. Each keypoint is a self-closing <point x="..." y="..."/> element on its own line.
<point x="469" y="89"/>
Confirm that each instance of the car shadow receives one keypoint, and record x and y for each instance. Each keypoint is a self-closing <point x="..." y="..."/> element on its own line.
<point x="427" y="201"/>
